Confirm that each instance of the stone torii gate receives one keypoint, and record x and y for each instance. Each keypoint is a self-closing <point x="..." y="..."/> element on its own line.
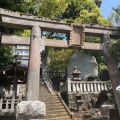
<point x="77" y="32"/>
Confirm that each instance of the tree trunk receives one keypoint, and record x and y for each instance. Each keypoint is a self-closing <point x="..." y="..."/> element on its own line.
<point x="113" y="70"/>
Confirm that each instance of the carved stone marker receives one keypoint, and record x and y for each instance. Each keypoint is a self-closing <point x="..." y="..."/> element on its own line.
<point x="85" y="63"/>
<point x="29" y="110"/>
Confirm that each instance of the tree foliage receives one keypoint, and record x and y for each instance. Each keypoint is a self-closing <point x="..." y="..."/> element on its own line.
<point x="14" y="5"/>
<point x="115" y="47"/>
<point x="6" y="55"/>
<point x="85" y="12"/>
<point x="46" y="8"/>
<point x="58" y="59"/>
<point x="116" y="14"/>
<point x="98" y="2"/>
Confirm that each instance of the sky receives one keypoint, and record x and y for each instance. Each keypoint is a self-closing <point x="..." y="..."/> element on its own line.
<point x="107" y="5"/>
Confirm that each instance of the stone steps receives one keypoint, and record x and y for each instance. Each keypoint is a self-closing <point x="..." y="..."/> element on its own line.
<point x="51" y="114"/>
<point x="54" y="108"/>
<point x="52" y="102"/>
<point x="46" y="97"/>
<point x="58" y="118"/>
<point x="62" y="111"/>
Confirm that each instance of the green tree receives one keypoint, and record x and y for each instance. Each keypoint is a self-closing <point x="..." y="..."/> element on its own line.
<point x="98" y="2"/>
<point x="6" y="52"/>
<point x="116" y="14"/>
<point x="115" y="18"/>
<point x="46" y="8"/>
<point x="14" y="5"/>
<point x="58" y="59"/>
<point x="85" y="12"/>
<point x="6" y="55"/>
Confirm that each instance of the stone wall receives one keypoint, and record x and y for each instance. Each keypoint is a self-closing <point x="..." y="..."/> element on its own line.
<point x="91" y="105"/>
<point x="82" y="101"/>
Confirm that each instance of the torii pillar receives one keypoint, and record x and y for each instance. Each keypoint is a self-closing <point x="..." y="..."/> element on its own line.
<point x="34" y="108"/>
<point x="33" y="77"/>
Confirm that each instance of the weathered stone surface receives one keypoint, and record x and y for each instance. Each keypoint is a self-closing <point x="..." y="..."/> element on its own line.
<point x="85" y="63"/>
<point x="16" y="40"/>
<point x="33" y="76"/>
<point x="30" y="110"/>
<point x="105" y="110"/>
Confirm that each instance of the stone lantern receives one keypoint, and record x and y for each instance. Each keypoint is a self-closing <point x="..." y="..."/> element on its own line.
<point x="76" y="74"/>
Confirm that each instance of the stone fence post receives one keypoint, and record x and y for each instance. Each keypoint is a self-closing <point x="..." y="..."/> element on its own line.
<point x="69" y="85"/>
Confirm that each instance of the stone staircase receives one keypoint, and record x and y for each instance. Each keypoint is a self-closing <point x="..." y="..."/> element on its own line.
<point x="55" y="110"/>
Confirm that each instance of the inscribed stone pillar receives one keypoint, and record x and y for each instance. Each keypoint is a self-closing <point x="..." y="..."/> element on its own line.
<point x="34" y="65"/>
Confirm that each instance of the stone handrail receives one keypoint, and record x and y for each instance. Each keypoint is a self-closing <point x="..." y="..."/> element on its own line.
<point x="56" y="74"/>
<point x="66" y="107"/>
<point x="85" y="86"/>
<point x="48" y="82"/>
<point x="63" y="87"/>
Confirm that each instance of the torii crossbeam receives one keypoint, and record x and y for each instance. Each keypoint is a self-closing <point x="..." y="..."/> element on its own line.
<point x="77" y="32"/>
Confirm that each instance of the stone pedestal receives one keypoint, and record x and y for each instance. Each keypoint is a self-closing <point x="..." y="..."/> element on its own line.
<point x="105" y="110"/>
<point x="30" y="110"/>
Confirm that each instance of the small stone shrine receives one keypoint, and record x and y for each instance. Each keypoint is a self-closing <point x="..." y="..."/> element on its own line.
<point x="76" y="74"/>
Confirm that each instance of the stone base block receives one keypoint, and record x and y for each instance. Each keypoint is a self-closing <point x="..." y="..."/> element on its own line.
<point x="105" y="110"/>
<point x="30" y="110"/>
